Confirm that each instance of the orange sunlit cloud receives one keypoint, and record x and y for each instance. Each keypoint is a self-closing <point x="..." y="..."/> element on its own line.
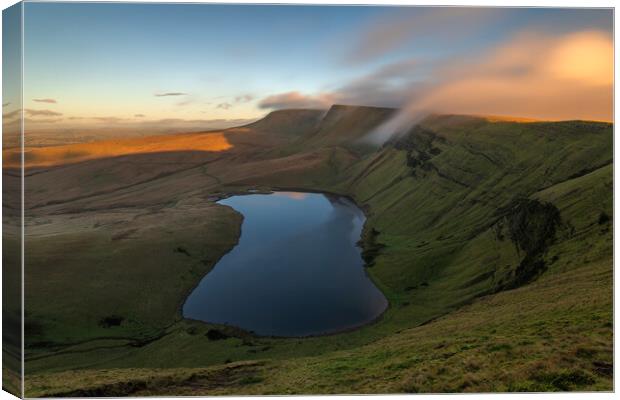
<point x="532" y="76"/>
<point x="536" y="77"/>
<point x="586" y="57"/>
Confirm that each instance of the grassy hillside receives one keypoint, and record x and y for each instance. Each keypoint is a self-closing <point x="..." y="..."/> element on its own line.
<point x="492" y="241"/>
<point x="72" y="153"/>
<point x="292" y="123"/>
<point x="11" y="282"/>
<point x="344" y="127"/>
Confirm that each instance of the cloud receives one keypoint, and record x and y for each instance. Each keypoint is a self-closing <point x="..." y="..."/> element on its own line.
<point x="414" y="26"/>
<point x="237" y="100"/>
<point x="52" y="101"/>
<point x="224" y="106"/>
<point x="532" y="75"/>
<point x="297" y="100"/>
<point x="30" y="121"/>
<point x="11" y="114"/>
<point x="43" y="113"/>
<point x="109" y="120"/>
<point x="246" y="98"/>
<point x="105" y="119"/>
<point x="167" y="94"/>
<point x="41" y="120"/>
<point x="185" y="102"/>
<point x="391" y="85"/>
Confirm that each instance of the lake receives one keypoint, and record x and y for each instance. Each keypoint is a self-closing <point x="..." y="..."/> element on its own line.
<point x="296" y="270"/>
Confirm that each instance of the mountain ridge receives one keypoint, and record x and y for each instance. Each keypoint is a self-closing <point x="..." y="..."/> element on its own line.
<point x="479" y="234"/>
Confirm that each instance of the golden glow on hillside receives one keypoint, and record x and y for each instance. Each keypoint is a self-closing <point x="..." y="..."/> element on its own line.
<point x="507" y="118"/>
<point x="56" y="155"/>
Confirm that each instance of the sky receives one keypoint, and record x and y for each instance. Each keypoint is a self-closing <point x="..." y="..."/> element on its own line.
<point x="114" y="64"/>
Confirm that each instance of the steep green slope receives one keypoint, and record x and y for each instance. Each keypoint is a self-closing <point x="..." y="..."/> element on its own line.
<point x="442" y="194"/>
<point x="491" y="240"/>
<point x="343" y="126"/>
<point x="289" y="122"/>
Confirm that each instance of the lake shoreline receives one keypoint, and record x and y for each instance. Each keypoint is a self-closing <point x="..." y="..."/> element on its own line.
<point x="216" y="198"/>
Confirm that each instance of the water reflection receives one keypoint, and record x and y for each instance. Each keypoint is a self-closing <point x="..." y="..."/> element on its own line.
<point x="296" y="270"/>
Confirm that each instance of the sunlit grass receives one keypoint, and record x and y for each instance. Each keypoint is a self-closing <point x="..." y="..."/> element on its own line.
<point x="56" y="155"/>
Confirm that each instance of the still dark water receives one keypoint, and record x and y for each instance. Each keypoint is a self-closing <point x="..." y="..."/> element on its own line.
<point x="296" y="270"/>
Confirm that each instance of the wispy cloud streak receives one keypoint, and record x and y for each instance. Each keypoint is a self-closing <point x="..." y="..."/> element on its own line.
<point x="170" y="94"/>
<point x="43" y="113"/>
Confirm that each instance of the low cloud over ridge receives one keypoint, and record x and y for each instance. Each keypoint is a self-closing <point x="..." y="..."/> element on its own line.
<point x="532" y="75"/>
<point x="296" y="100"/>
